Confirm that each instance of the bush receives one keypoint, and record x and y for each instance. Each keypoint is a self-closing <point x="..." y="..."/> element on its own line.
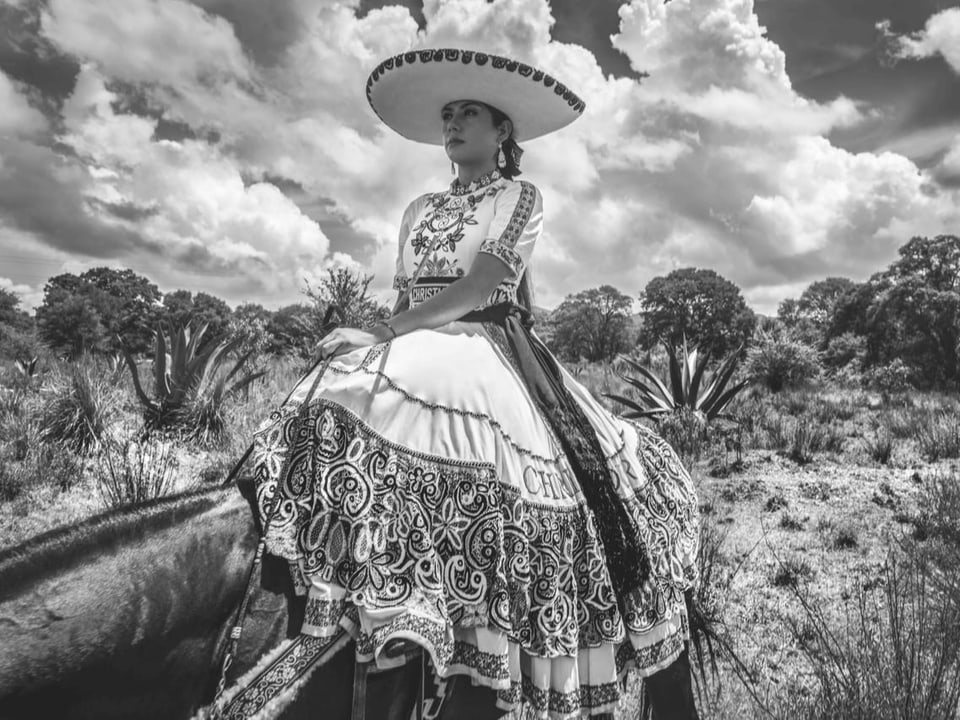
<point x="132" y="471"/>
<point x="777" y="435"/>
<point x="791" y="571"/>
<point x="18" y="344"/>
<point x="686" y="431"/>
<point x="845" y="537"/>
<point x="791" y="522"/>
<point x="191" y="382"/>
<point x="879" y="446"/>
<point x="938" y="436"/>
<point x="34" y="464"/>
<point x="895" y="377"/>
<point x="938" y="513"/>
<point x="78" y="408"/>
<point x="780" y="362"/>
<point x="808" y="439"/>
<point x="845" y="351"/>
<point x="894" y="654"/>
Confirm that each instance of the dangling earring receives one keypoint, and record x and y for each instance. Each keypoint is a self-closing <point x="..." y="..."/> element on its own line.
<point x="501" y="158"/>
<point x="453" y="170"/>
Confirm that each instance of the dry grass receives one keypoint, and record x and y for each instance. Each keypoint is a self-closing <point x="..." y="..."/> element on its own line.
<point x="803" y="501"/>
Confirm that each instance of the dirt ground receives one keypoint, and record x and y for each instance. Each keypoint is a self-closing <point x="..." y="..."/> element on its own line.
<point x="824" y="525"/>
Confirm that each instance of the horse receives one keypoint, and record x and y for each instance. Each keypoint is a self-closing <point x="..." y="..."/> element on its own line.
<point x="128" y="614"/>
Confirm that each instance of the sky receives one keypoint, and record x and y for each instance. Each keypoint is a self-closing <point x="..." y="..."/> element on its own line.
<point x="227" y="146"/>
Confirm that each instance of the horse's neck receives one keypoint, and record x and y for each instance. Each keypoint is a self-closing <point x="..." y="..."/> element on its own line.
<point x="140" y="618"/>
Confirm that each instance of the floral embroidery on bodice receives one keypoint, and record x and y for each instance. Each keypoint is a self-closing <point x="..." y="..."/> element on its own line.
<point x="492" y="214"/>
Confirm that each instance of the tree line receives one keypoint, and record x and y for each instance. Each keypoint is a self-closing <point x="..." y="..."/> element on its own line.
<point x="906" y="315"/>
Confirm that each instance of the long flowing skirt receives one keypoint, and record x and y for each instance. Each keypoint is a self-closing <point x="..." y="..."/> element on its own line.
<point x="427" y="500"/>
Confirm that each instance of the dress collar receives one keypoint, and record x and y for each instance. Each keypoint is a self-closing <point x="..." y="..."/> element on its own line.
<point x="457" y="189"/>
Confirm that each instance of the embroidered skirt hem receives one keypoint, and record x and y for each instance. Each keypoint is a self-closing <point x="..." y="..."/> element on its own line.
<point x="422" y="503"/>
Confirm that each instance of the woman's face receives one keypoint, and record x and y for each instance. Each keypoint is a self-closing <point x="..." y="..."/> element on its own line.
<point x="469" y="135"/>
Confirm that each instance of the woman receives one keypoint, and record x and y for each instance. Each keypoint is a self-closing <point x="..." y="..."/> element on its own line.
<point x="456" y="489"/>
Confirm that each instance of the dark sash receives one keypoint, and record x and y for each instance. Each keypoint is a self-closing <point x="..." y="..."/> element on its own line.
<point x="625" y="552"/>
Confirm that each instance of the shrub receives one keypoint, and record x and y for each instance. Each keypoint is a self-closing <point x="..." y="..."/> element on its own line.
<point x="938" y="512"/>
<point x="790" y="522"/>
<point x="191" y="382"/>
<point x="132" y="471"/>
<point x="828" y="411"/>
<point x="690" y="388"/>
<point x="12" y="483"/>
<point x="775" y="502"/>
<point x="834" y="439"/>
<point x="780" y="362"/>
<point x="726" y="437"/>
<point x="791" y="571"/>
<point x="845" y="351"/>
<point x="894" y="654"/>
<point x="808" y="439"/>
<point x="687" y="433"/>
<point x="79" y="408"/>
<point x="36" y="464"/>
<point x="845" y="537"/>
<point x="892" y="378"/>
<point x="11" y="402"/>
<point x="938" y="436"/>
<point x="879" y="445"/>
<point x="777" y="436"/>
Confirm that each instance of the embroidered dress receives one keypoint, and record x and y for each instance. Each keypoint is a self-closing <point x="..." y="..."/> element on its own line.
<point x="427" y="500"/>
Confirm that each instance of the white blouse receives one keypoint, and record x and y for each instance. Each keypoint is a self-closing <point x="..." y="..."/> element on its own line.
<point x="492" y="215"/>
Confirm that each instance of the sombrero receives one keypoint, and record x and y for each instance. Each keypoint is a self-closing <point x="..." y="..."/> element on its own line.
<point x="408" y="91"/>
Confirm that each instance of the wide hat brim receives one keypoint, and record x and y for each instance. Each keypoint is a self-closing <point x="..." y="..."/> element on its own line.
<point x="409" y="90"/>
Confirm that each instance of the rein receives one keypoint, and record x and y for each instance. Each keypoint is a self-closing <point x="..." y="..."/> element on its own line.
<point x="237" y="630"/>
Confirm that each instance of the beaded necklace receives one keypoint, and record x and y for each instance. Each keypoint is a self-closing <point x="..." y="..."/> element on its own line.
<point x="457" y="189"/>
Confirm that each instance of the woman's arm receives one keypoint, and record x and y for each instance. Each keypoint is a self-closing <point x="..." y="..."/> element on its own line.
<point x="457" y="299"/>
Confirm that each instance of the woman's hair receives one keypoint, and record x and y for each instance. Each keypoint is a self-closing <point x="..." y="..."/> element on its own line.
<point x="511" y="151"/>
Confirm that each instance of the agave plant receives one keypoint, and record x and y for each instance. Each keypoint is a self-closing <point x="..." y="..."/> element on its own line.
<point x="689" y="389"/>
<point x="27" y="368"/>
<point x="190" y="382"/>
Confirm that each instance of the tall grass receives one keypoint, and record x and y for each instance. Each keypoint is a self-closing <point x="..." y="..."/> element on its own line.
<point x="892" y="654"/>
<point x="938" y="436"/>
<point x="79" y="405"/>
<point x="27" y="464"/>
<point x="132" y="470"/>
<point x="879" y="444"/>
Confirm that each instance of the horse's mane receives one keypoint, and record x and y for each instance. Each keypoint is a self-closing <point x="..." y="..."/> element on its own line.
<point x="61" y="547"/>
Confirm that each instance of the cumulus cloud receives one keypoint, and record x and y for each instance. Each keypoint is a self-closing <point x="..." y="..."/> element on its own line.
<point x="18" y="117"/>
<point x="711" y="160"/>
<point x="940" y="36"/>
<point x="948" y="170"/>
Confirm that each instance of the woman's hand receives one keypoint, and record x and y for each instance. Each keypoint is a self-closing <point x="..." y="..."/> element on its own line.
<point x="343" y="340"/>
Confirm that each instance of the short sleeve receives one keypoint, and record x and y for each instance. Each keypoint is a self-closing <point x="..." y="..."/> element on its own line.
<point x="516" y="225"/>
<point x="400" y="279"/>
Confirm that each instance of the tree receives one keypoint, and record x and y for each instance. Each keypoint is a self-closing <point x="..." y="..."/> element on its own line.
<point x="850" y="311"/>
<point x="594" y="324"/>
<point x="11" y="316"/>
<point x="699" y="305"/>
<point x="17" y="337"/>
<point x="248" y="327"/>
<point x="120" y="302"/>
<point x="809" y="317"/>
<point x="290" y="330"/>
<point x="70" y="324"/>
<point x="181" y="307"/>
<point x="915" y="312"/>
<point x="348" y="291"/>
<point x="129" y="306"/>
